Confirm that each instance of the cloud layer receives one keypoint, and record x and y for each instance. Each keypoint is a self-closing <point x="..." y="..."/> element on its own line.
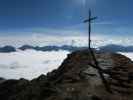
<point x="44" y="40"/>
<point x="29" y="64"/>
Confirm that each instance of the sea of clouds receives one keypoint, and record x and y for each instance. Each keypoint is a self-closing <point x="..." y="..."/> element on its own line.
<point x="29" y="64"/>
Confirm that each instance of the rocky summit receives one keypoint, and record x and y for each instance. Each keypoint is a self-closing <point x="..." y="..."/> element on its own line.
<point x="76" y="79"/>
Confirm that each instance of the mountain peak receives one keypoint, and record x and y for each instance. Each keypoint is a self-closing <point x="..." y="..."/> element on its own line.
<point x="76" y="79"/>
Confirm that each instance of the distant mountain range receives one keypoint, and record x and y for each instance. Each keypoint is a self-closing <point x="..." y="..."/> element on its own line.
<point x="109" y="48"/>
<point x="51" y="48"/>
<point x="7" y="49"/>
<point x="116" y="48"/>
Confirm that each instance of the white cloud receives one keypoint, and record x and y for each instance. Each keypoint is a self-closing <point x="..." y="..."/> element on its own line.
<point x="79" y="40"/>
<point x="29" y="64"/>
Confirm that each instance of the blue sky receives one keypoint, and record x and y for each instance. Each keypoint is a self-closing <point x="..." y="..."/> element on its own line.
<point x="63" y="17"/>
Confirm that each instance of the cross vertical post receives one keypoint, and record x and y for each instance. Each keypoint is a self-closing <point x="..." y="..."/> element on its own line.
<point x="96" y="64"/>
<point x="89" y="30"/>
<point x="89" y="21"/>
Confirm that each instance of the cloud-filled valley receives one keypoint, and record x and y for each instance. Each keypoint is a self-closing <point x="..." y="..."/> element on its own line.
<point x="30" y="63"/>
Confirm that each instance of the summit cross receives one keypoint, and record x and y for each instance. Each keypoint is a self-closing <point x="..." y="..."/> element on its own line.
<point x="89" y="21"/>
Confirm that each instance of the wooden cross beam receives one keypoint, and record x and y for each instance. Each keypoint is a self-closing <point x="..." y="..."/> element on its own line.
<point x="89" y="21"/>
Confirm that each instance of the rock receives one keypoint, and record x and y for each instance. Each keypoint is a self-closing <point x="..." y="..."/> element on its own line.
<point x="76" y="79"/>
<point x="11" y="87"/>
<point x="2" y="80"/>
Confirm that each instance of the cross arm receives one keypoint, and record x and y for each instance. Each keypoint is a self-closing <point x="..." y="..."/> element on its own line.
<point x="90" y="19"/>
<point x="87" y="20"/>
<point x="93" y="18"/>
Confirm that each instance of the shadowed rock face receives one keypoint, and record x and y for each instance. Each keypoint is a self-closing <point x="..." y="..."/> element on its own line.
<point x="75" y="79"/>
